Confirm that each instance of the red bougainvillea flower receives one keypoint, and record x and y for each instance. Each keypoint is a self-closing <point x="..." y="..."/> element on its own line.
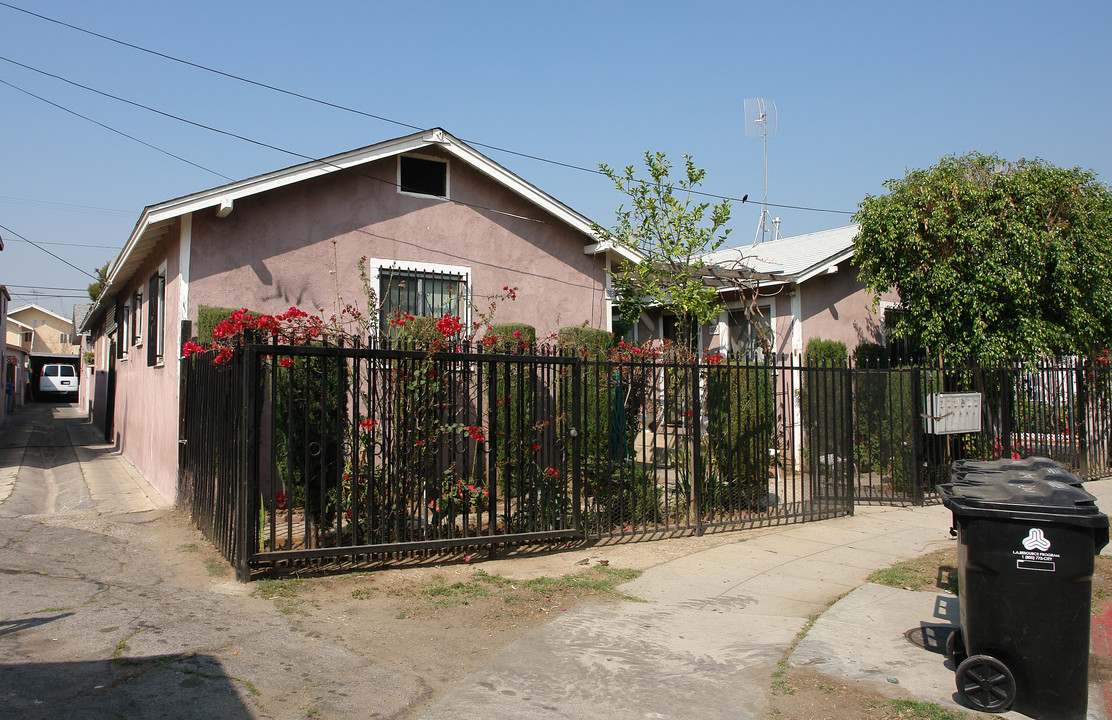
<point x="449" y="325"/>
<point x="476" y="433"/>
<point x="223" y="356"/>
<point x="281" y="499"/>
<point x="286" y="362"/>
<point x="517" y="333"/>
<point x="713" y="358"/>
<point x="368" y="424"/>
<point x="191" y="348"/>
<point x="552" y="473"/>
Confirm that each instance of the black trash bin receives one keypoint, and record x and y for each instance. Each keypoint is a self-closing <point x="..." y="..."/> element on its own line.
<point x="1027" y="537"/>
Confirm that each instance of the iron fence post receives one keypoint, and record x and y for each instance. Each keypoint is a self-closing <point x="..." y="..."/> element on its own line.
<point x="851" y="459"/>
<point x="918" y="460"/>
<point x="573" y="432"/>
<point x="697" y="454"/>
<point x="1081" y="425"/>
<point x="248" y="464"/>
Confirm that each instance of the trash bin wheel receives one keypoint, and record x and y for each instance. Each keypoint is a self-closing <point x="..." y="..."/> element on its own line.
<point x="955" y="647"/>
<point x="985" y="684"/>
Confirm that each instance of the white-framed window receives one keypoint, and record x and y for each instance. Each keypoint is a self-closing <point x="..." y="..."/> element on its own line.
<point x="28" y="336"/>
<point x="156" y="316"/>
<point x="422" y="175"/>
<point x="137" y="317"/>
<point x="420" y="290"/>
<point x="750" y="330"/>
<point x="123" y="329"/>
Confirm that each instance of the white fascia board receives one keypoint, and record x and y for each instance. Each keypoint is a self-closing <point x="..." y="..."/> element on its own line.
<point x="607" y="246"/>
<point x="824" y="266"/>
<point x="33" y="306"/>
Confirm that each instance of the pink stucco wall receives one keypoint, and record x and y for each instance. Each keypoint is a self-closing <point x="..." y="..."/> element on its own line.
<point x="146" y="416"/>
<point x="279" y="249"/>
<point x="837" y="307"/>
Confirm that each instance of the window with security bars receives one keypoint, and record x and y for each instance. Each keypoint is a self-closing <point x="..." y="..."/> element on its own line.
<point x="409" y="293"/>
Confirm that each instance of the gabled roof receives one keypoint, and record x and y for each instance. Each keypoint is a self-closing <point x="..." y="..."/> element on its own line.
<point x="157" y="219"/>
<point x="79" y="313"/>
<point x="798" y="258"/>
<point x="25" y="326"/>
<point x="31" y="306"/>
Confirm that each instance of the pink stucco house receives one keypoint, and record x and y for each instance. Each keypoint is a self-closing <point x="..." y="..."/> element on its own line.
<point x="428" y="211"/>
<point x="808" y="288"/>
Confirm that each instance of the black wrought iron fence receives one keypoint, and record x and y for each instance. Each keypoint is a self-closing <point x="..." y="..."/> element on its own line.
<point x="296" y="453"/>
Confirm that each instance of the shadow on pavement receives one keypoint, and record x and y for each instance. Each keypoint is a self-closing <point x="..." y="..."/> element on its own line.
<point x="168" y="686"/>
<point x="7" y="627"/>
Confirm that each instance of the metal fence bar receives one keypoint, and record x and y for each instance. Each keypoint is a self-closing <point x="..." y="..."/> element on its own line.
<point x="304" y="453"/>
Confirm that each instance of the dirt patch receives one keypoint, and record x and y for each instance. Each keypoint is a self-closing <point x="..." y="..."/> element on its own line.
<point x="801" y="693"/>
<point x="805" y="694"/>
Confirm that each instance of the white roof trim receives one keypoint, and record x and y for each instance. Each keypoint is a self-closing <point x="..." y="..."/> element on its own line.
<point x="825" y="266"/>
<point x="40" y="309"/>
<point x="164" y="214"/>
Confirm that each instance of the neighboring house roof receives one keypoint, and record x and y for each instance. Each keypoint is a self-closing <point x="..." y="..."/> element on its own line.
<point x="31" y="306"/>
<point x="157" y="219"/>
<point x="79" y="313"/>
<point x="798" y="258"/>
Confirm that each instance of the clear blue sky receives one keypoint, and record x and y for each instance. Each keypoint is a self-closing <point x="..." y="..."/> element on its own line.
<point x="864" y="91"/>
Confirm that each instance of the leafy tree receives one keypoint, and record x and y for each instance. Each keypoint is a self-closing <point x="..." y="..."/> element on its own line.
<point x="102" y="276"/>
<point x="671" y="232"/>
<point x="993" y="259"/>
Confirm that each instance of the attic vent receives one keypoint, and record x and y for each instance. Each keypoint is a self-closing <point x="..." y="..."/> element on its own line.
<point x="423" y="176"/>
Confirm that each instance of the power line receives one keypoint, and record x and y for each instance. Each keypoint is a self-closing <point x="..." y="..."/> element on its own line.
<point x="104" y="247"/>
<point x="105" y="126"/>
<point x="292" y="153"/>
<point x="48" y="295"/>
<point x="362" y="113"/>
<point x="40" y="247"/>
<point x="41" y="287"/>
<point x="64" y="206"/>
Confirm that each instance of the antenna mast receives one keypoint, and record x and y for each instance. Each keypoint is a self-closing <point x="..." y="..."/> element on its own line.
<point x="761" y="121"/>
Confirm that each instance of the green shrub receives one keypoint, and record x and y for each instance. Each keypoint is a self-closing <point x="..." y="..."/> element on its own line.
<point x="508" y="343"/>
<point x="594" y="341"/>
<point x="825" y="398"/>
<point x="208" y="317"/>
<point x="741" y="418"/>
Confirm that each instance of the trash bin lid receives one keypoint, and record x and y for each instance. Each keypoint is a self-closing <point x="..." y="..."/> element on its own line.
<point x="1022" y="495"/>
<point x="1041" y="466"/>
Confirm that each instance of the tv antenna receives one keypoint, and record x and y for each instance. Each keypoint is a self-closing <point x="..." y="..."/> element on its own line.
<point x="760" y="121"/>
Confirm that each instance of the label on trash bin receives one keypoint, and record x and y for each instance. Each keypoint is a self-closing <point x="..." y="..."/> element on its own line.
<point x="1036" y="554"/>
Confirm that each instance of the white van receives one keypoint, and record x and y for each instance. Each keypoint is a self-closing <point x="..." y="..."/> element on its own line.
<point x="56" y="379"/>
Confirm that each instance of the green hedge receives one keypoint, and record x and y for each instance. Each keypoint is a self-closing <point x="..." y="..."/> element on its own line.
<point x="507" y="343"/>
<point x="595" y="341"/>
<point x="208" y="317"/>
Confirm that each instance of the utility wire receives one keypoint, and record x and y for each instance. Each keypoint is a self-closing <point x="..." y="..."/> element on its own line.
<point x="42" y="287"/>
<point x="104" y="247"/>
<point x="228" y="133"/>
<point x="64" y="206"/>
<point x="355" y="111"/>
<point x="40" y="247"/>
<point x="118" y="132"/>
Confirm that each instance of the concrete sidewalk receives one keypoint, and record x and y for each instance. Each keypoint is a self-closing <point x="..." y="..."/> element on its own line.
<point x="714" y="625"/>
<point x="709" y="634"/>
<point x="64" y="464"/>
